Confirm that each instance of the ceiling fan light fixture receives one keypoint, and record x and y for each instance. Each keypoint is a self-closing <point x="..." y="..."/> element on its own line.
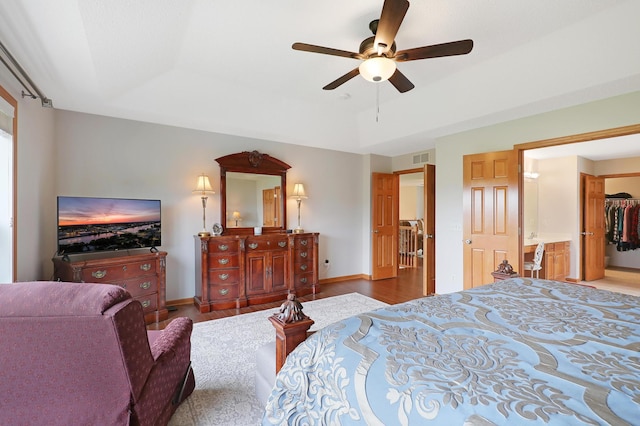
<point x="377" y="69"/>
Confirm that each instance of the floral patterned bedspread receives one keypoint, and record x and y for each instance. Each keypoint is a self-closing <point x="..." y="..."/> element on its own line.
<point x="518" y="350"/>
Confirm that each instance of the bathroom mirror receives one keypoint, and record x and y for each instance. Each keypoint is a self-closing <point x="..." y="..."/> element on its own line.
<point x="252" y="192"/>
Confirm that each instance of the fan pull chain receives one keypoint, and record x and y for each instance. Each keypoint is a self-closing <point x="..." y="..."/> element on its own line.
<point x="377" y="102"/>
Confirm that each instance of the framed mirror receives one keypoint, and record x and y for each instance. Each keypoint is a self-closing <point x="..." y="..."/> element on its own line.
<point x="253" y="192"/>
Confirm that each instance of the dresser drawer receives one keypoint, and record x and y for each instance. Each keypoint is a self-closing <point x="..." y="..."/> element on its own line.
<point x="149" y="302"/>
<point x="262" y="244"/>
<point x="230" y="260"/>
<point x="140" y="285"/>
<point x="302" y="255"/>
<point x="303" y="243"/>
<point x="223" y="246"/>
<point x="221" y="292"/>
<point x="302" y="280"/>
<point x="136" y="269"/>
<point x="104" y="274"/>
<point x="302" y="267"/>
<point x="223" y="276"/>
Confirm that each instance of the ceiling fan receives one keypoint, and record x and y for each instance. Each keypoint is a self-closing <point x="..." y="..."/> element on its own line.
<point x="379" y="54"/>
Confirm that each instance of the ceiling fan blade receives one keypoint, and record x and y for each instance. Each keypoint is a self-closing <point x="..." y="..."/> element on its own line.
<point x="401" y="82"/>
<point x="461" y="47"/>
<point x="325" y="50"/>
<point x="393" y="12"/>
<point x="341" y="80"/>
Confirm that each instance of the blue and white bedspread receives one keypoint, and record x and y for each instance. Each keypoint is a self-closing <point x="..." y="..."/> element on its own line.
<point x="517" y="351"/>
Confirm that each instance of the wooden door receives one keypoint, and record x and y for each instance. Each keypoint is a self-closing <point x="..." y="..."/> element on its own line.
<point x="593" y="235"/>
<point x="384" y="223"/>
<point x="268" y="207"/>
<point x="491" y="219"/>
<point x="429" y="232"/>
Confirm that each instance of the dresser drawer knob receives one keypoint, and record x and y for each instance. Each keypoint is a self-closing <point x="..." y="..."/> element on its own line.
<point x="303" y="267"/>
<point x="282" y="243"/>
<point x="146" y="303"/>
<point x="99" y="274"/>
<point x="223" y="261"/>
<point x="123" y="285"/>
<point x="223" y="247"/>
<point x="303" y="242"/>
<point x="253" y="246"/>
<point x="224" y="277"/>
<point x="145" y="267"/>
<point x="145" y="285"/>
<point x="303" y="254"/>
<point x="223" y="291"/>
<point x="303" y="280"/>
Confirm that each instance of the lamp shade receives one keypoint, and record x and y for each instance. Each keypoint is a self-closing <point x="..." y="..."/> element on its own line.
<point x="236" y="215"/>
<point x="298" y="191"/>
<point x="377" y="69"/>
<point x="203" y="186"/>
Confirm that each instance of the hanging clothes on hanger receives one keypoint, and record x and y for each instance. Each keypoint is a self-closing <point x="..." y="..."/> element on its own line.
<point x="622" y="223"/>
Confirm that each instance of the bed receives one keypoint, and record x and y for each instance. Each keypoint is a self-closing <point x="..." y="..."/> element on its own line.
<point x="518" y="350"/>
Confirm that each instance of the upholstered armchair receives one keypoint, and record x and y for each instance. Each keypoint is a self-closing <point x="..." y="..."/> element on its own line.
<point x="73" y="353"/>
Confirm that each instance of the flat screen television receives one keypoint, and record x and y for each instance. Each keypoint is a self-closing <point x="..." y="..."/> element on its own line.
<point x="87" y="224"/>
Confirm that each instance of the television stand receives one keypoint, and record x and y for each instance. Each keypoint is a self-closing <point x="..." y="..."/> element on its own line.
<point x="142" y="274"/>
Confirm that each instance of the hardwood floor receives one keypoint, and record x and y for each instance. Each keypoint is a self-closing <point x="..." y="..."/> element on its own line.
<point x="407" y="286"/>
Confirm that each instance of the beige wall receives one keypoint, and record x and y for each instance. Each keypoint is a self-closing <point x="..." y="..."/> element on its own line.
<point x="605" y="114"/>
<point x="617" y="166"/>
<point x="409" y="202"/>
<point x="630" y="185"/>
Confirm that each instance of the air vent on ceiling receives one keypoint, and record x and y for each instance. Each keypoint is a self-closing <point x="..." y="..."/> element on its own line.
<point x="421" y="158"/>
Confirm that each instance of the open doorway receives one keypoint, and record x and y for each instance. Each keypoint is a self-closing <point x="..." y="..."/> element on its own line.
<point x="554" y="202"/>
<point x="411" y="220"/>
<point x="416" y="218"/>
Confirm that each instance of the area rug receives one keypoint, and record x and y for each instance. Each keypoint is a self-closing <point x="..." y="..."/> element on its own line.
<point x="223" y="360"/>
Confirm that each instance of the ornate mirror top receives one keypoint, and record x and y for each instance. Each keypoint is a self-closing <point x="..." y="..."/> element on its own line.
<point x="252" y="162"/>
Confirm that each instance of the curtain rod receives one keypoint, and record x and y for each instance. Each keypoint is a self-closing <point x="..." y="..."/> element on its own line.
<point x="19" y="74"/>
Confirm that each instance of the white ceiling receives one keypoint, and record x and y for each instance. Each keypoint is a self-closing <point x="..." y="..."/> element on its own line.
<point x="228" y="66"/>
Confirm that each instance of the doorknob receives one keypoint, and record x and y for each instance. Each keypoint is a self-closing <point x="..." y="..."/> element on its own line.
<point x="467" y="241"/>
<point x="587" y="233"/>
<point x="375" y="231"/>
<point x="429" y="235"/>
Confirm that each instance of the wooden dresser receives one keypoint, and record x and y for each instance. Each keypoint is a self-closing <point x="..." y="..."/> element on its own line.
<point x="233" y="271"/>
<point x="142" y="275"/>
